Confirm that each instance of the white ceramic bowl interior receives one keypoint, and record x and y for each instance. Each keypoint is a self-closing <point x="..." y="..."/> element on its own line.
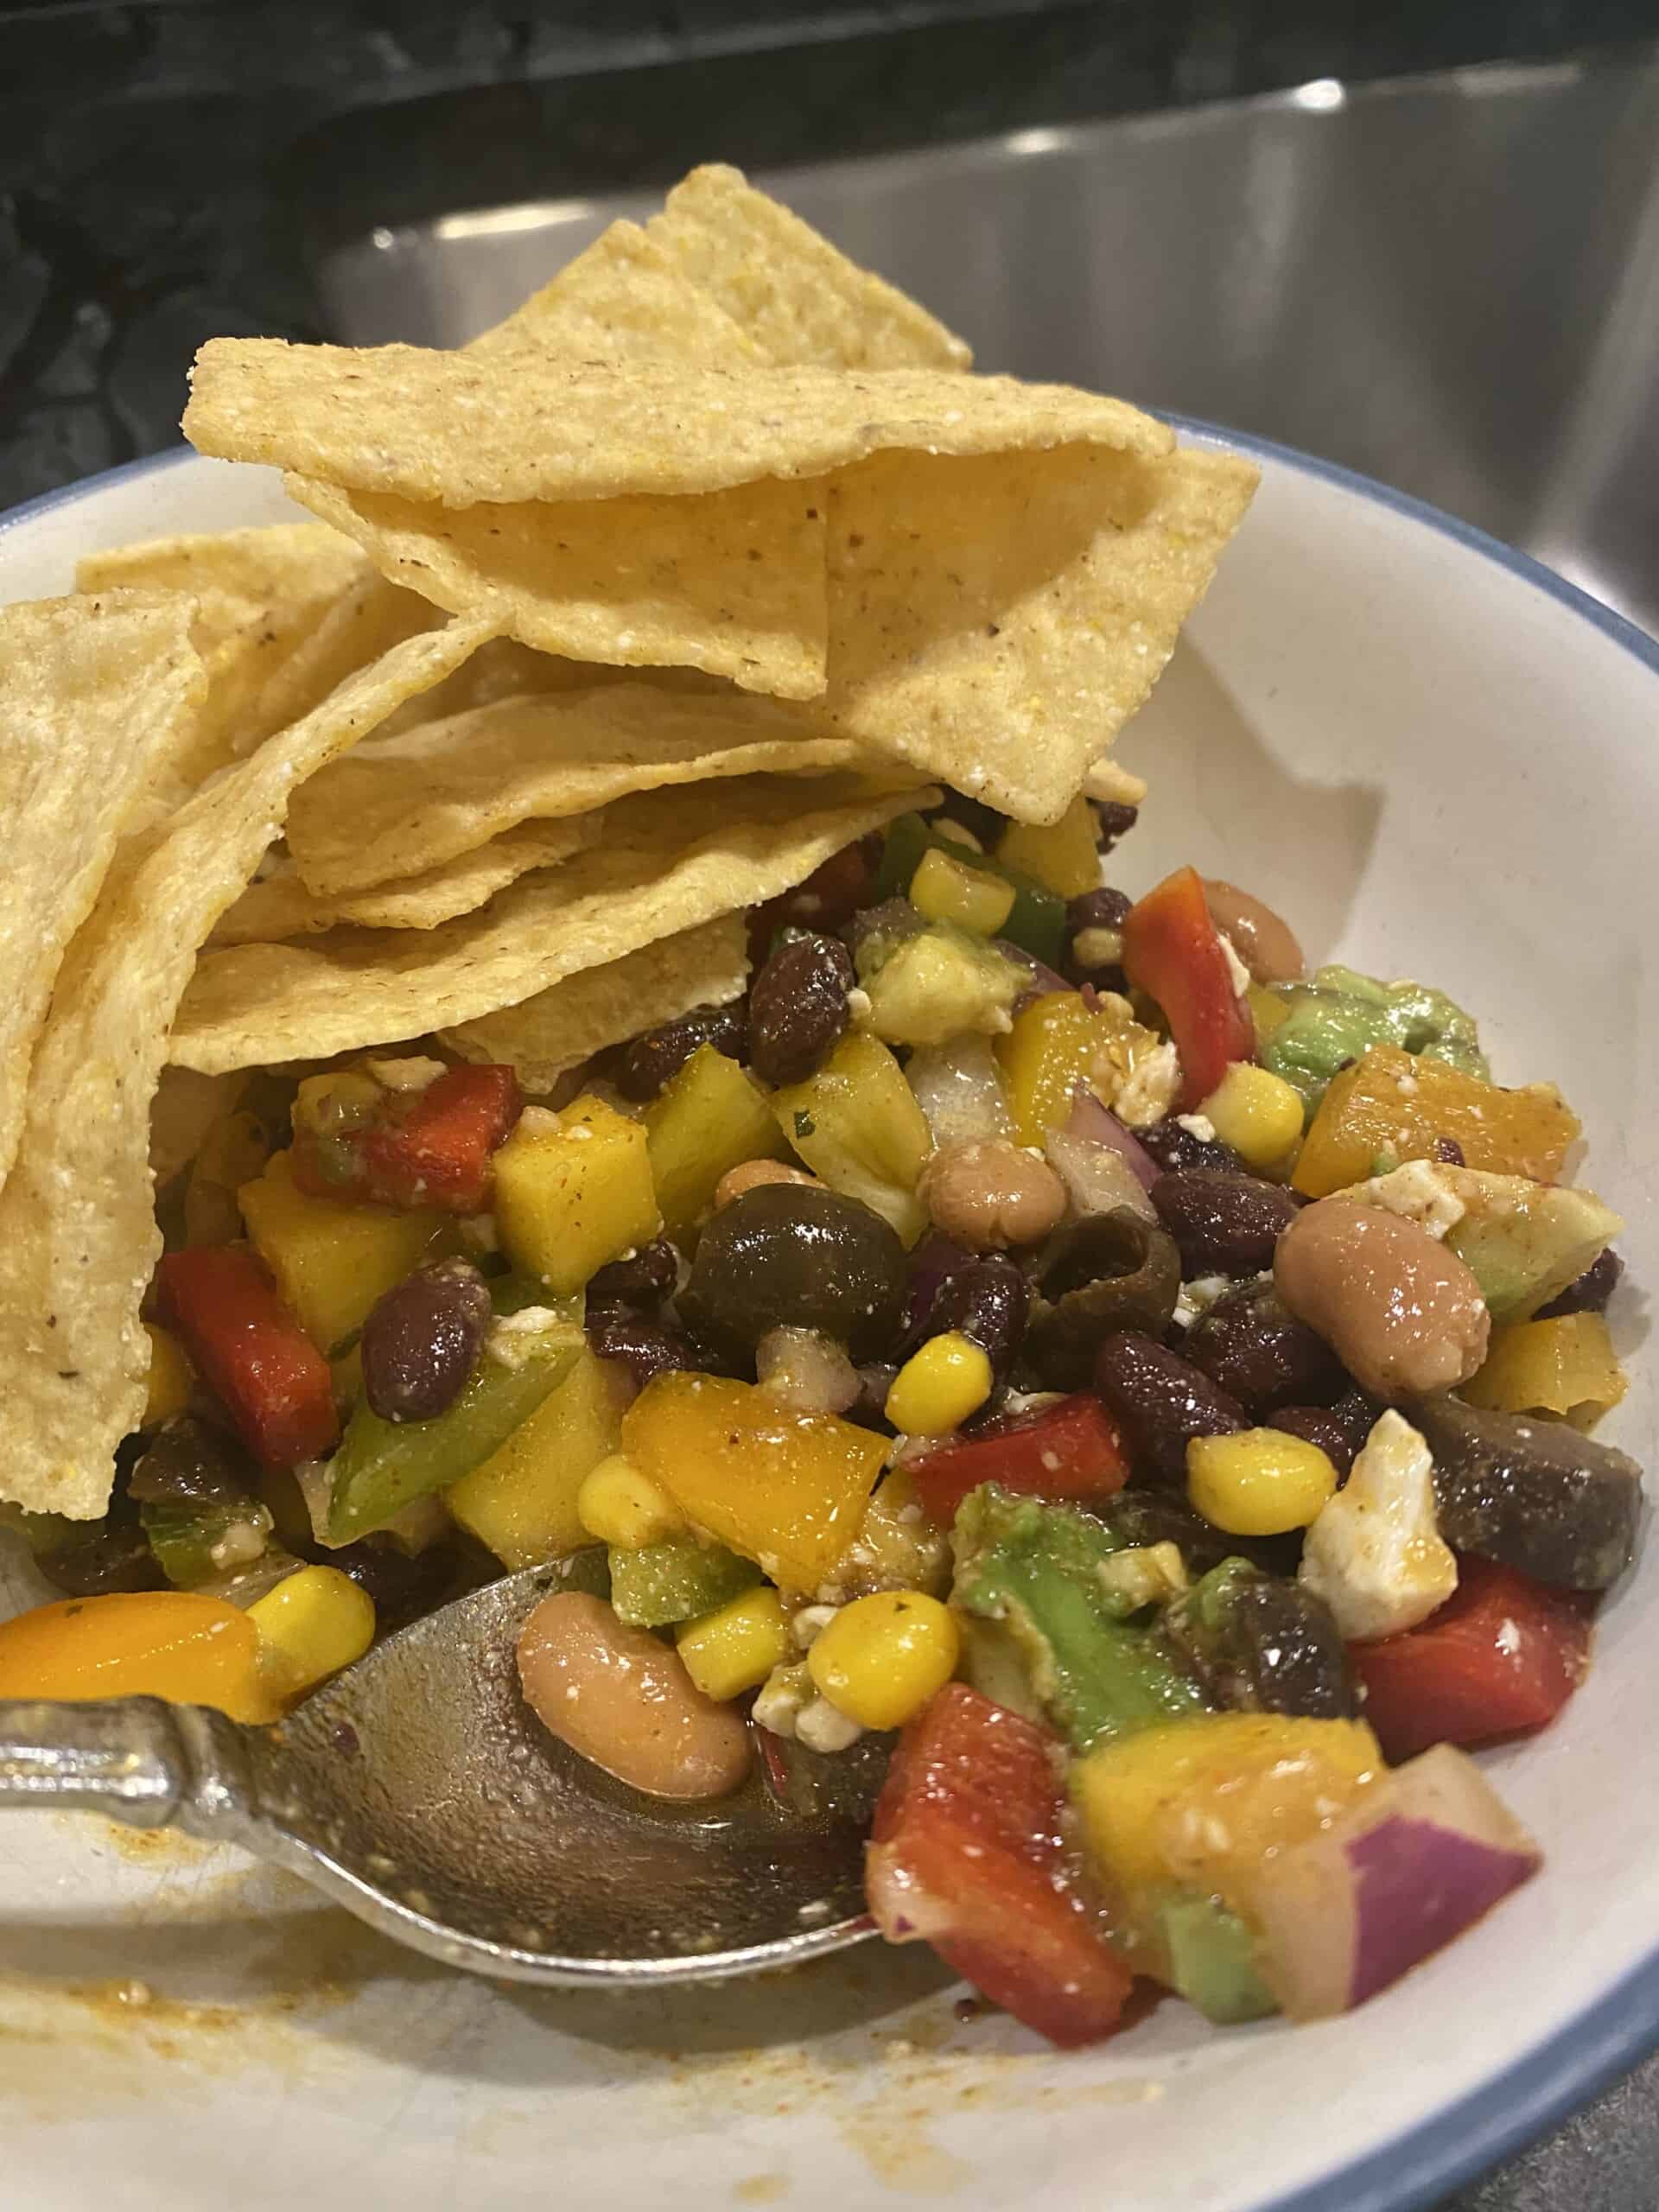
<point x="1437" y="760"/>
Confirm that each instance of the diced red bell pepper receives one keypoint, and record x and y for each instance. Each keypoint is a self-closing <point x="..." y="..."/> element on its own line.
<point x="1069" y="1450"/>
<point x="1173" y="951"/>
<point x="270" y="1376"/>
<point x="430" y="1148"/>
<point x="965" y="1854"/>
<point x="1500" y="1658"/>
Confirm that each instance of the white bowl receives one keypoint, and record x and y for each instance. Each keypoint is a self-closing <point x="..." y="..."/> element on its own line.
<point x="1437" y="760"/>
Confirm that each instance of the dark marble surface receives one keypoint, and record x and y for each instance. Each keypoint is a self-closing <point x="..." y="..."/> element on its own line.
<point x="169" y="172"/>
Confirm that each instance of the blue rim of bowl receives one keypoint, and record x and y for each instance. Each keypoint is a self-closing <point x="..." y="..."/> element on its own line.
<point x="1569" y="2067"/>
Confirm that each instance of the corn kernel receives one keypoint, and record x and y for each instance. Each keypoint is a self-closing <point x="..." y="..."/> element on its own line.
<point x="310" y="1626"/>
<point x="167" y="1386"/>
<point x="1259" y="1482"/>
<point x="1258" y="1113"/>
<point x="736" y="1646"/>
<point x="946" y="889"/>
<point x="940" y="1386"/>
<point x="619" y="1503"/>
<point x="882" y="1658"/>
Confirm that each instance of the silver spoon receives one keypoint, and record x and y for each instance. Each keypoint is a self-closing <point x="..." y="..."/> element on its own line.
<point x="419" y="1790"/>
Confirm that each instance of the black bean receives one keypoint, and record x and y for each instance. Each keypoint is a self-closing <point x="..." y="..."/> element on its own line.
<point x="982" y="821"/>
<point x="1448" y="1152"/>
<point x="652" y="1062"/>
<point x="1319" y="1425"/>
<point x="644" y="1280"/>
<point x="1591" y="1293"/>
<point x="401" y="1584"/>
<point x="1254" y="1347"/>
<point x="985" y="1301"/>
<point x="1176" y="1149"/>
<point x="188" y="1463"/>
<point x="1104" y="909"/>
<point x="644" y="1346"/>
<point x="103" y="1561"/>
<point x="422" y="1341"/>
<point x="1113" y="820"/>
<point x="1161" y="1402"/>
<point x="1224" y="1224"/>
<point x="797" y="1007"/>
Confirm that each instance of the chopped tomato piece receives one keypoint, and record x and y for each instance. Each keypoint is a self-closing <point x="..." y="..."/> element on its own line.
<point x="270" y="1376"/>
<point x="1071" y="1450"/>
<point x="1500" y="1658"/>
<point x="1173" y="951"/>
<point x="965" y="1854"/>
<point x="430" y="1148"/>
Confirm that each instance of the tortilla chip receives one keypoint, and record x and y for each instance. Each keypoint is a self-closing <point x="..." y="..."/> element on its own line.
<point x="790" y="289"/>
<point x="460" y="428"/>
<point x="358" y="629"/>
<point x="624" y="298"/>
<point x="546" y="1036"/>
<point x="78" y="1234"/>
<point x="671" y="860"/>
<point x="279" y="905"/>
<point x="97" y="695"/>
<point x="184" y="1108"/>
<point x="731" y="584"/>
<point x="408" y="803"/>
<point x="995" y="621"/>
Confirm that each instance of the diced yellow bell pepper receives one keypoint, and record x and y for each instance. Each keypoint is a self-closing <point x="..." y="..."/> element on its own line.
<point x="1058" y="1044"/>
<point x="1062" y="854"/>
<point x="711" y="1117"/>
<point x="233" y="1153"/>
<point x="170" y="1380"/>
<point x="1197" y="1804"/>
<point x="1392" y="1105"/>
<point x="573" y="1190"/>
<point x="786" y="1490"/>
<point x="522" y="1502"/>
<point x="311" y="1625"/>
<point x="175" y="1644"/>
<point x="333" y="1262"/>
<point x="1566" y="1366"/>
<point x="946" y="889"/>
<point x="734" y="1647"/>
<point x="1268" y="1011"/>
<point x="857" y="1124"/>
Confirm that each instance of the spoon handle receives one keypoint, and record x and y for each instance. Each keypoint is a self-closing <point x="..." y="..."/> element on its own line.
<point x="137" y="1759"/>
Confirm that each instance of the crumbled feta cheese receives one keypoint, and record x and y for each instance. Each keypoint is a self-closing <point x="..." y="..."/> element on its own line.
<point x="809" y="1624"/>
<point x="1375" y="1552"/>
<point x="780" y="1699"/>
<point x="1197" y="1125"/>
<point x="515" y="1338"/>
<point x="1422" y="1191"/>
<point x="858" y="1004"/>
<point x="1098" y="948"/>
<point x="1235" y="967"/>
<point x="1150" y="1091"/>
<point x="539" y="1122"/>
<point x="411" y="1074"/>
<point x="242" y="1541"/>
<point x="821" y="1728"/>
<point x="1197" y="1296"/>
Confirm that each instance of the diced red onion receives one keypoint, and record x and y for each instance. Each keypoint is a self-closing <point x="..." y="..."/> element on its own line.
<point x="1422" y="1857"/>
<point x="1093" y="1122"/>
<point x="1043" y="979"/>
<point x="1097" y="1176"/>
<point x="959" y="1087"/>
<point x="807" y="1370"/>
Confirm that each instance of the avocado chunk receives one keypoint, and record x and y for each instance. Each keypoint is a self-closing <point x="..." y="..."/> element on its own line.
<point x="1523" y="1241"/>
<point x="1337" y="1015"/>
<point x="1211" y="1957"/>
<point x="1532" y="1494"/>
<point x="934" y="983"/>
<point x="1261" y="1644"/>
<point x="1043" y="1634"/>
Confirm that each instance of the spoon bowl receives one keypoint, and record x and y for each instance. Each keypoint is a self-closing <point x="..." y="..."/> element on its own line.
<point x="419" y="1790"/>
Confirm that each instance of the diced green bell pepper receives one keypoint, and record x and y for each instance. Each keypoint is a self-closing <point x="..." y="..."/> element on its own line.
<point x="1037" y="922"/>
<point x="676" y="1580"/>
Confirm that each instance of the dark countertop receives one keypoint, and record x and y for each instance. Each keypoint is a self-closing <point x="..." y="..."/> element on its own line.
<point x="170" y="173"/>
